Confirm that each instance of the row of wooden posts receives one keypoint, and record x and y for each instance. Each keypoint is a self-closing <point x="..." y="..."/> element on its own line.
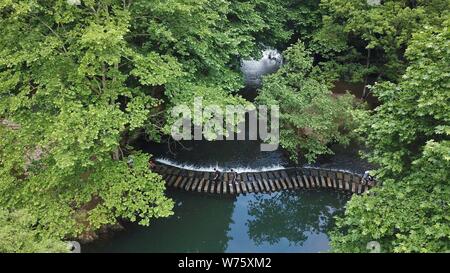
<point x="264" y="181"/>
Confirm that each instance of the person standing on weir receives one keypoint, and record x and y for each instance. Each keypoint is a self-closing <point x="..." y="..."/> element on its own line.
<point x="233" y="180"/>
<point x="367" y="179"/>
<point x="216" y="175"/>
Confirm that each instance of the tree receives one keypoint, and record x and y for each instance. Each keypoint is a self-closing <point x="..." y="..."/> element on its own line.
<point x="64" y="72"/>
<point x="209" y="38"/>
<point x="409" y="140"/>
<point x="79" y="78"/>
<point x="357" y="39"/>
<point x="311" y="117"/>
<point x="17" y="234"/>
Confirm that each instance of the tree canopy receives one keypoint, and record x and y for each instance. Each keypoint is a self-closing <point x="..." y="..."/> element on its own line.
<point x="311" y="117"/>
<point x="80" y="79"/>
<point x="409" y="137"/>
<point x="17" y="234"/>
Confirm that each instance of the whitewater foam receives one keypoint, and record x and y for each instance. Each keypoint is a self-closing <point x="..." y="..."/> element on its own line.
<point x="210" y="168"/>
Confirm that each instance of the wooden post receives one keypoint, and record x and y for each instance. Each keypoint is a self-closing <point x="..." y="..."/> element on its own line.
<point x="218" y="187"/>
<point x="340" y="177"/>
<point x="249" y="187"/>
<point x="323" y="175"/>
<point x="225" y="188"/>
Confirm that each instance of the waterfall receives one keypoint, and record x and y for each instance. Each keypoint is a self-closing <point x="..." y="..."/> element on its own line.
<point x="253" y="70"/>
<point x="210" y="168"/>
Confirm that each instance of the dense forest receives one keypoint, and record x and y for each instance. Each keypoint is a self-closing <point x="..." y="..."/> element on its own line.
<point x="80" y="79"/>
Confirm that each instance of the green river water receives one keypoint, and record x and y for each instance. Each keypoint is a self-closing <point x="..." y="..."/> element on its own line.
<point x="296" y="221"/>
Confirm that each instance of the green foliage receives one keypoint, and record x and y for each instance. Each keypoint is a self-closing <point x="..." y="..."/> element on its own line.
<point x="409" y="139"/>
<point x="18" y="234"/>
<point x="154" y="69"/>
<point x="184" y="93"/>
<point x="416" y="110"/>
<point x="78" y="81"/>
<point x="311" y="118"/>
<point x="65" y="73"/>
<point x="360" y="40"/>
<point x="208" y="38"/>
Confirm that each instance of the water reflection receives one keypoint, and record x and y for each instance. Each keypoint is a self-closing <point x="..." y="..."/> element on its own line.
<point x="292" y="216"/>
<point x="200" y="224"/>
<point x="277" y="222"/>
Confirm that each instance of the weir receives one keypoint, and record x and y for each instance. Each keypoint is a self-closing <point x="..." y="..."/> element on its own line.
<point x="235" y="183"/>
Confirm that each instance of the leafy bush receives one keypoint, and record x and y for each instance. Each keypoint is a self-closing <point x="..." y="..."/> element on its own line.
<point x="311" y="117"/>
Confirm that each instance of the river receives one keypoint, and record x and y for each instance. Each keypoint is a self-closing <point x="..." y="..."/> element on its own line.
<point x="290" y="221"/>
<point x="278" y="222"/>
